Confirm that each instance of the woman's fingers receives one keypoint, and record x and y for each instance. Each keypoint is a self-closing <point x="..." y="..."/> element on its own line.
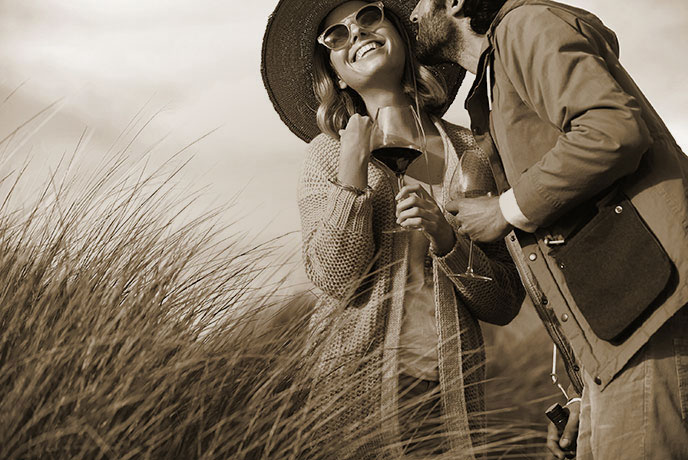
<point x="415" y="211"/>
<point x="355" y="138"/>
<point x="412" y="201"/>
<point x="409" y="190"/>
<point x="418" y="218"/>
<point x="413" y="222"/>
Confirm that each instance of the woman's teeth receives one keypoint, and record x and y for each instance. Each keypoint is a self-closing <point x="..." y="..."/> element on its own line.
<point x="363" y="50"/>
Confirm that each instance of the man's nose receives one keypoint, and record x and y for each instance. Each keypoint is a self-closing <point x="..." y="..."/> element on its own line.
<point x="414" y="15"/>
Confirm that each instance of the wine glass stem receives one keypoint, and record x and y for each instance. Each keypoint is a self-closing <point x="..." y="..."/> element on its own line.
<point x="400" y="181"/>
<point x="469" y="269"/>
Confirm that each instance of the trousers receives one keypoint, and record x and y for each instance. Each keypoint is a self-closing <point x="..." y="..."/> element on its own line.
<point x="643" y="412"/>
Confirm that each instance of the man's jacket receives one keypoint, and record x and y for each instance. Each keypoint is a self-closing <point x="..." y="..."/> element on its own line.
<point x="567" y="123"/>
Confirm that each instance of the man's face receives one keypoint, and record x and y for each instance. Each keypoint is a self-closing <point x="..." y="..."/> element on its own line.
<point x="437" y="37"/>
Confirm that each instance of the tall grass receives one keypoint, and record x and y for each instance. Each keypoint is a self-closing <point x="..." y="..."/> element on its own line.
<point x="129" y="329"/>
<point x="132" y="328"/>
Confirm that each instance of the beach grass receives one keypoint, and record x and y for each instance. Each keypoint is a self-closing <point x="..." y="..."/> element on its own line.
<point x="132" y="327"/>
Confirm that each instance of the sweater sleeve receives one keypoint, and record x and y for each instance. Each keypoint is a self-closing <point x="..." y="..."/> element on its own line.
<point x="497" y="301"/>
<point x="557" y="67"/>
<point x="338" y="245"/>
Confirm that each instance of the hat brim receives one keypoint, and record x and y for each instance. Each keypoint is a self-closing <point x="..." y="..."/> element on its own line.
<point x="287" y="60"/>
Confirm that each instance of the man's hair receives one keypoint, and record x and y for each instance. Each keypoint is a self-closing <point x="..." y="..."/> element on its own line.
<point x="336" y="106"/>
<point x="481" y="13"/>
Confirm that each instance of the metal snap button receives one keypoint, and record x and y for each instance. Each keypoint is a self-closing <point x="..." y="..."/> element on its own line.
<point x="561" y="265"/>
<point x="477" y="131"/>
<point x="576" y="367"/>
<point x="564" y="317"/>
<point x="618" y="209"/>
<point x="532" y="256"/>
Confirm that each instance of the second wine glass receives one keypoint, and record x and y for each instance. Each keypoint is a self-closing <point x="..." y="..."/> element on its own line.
<point x="397" y="139"/>
<point x="472" y="178"/>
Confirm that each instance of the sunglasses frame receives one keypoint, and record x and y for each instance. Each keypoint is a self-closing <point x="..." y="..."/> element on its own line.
<point x="347" y="20"/>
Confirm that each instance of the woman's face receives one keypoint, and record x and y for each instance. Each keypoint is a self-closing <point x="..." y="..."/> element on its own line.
<point x="372" y="56"/>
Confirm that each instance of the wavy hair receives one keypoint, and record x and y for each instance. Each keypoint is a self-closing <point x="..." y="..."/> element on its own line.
<point x="337" y="105"/>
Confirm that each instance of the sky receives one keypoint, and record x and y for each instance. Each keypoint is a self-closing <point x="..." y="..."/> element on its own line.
<point x="194" y="67"/>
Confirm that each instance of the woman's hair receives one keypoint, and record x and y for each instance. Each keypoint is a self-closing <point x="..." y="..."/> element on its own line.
<point x="337" y="105"/>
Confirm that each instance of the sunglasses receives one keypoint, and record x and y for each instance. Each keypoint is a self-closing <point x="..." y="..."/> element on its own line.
<point x="337" y="36"/>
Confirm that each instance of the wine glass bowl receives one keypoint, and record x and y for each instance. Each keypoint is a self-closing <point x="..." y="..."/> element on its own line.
<point x="472" y="178"/>
<point x="396" y="140"/>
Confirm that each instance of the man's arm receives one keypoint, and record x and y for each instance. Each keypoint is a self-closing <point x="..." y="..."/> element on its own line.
<point x="559" y="72"/>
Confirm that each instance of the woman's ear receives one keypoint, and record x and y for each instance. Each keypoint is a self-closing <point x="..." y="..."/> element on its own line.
<point x="455" y="7"/>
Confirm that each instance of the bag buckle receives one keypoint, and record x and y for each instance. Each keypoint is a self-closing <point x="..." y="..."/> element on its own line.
<point x="554" y="240"/>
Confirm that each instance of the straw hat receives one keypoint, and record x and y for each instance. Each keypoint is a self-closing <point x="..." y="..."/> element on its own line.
<point x="287" y="59"/>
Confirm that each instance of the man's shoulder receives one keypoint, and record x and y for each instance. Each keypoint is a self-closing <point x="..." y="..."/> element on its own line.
<point x="530" y="16"/>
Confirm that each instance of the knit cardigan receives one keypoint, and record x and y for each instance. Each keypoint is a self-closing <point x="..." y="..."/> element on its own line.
<point x="357" y="320"/>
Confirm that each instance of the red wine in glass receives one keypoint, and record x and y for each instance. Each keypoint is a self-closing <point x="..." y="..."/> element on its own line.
<point x="396" y="140"/>
<point x="398" y="159"/>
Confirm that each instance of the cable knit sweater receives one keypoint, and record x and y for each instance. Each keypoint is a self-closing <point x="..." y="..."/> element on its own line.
<point x="357" y="321"/>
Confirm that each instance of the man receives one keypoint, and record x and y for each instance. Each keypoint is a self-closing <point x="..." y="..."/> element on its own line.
<point x="595" y="189"/>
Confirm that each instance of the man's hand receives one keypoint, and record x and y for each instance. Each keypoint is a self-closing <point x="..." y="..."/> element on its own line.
<point x="561" y="447"/>
<point x="480" y="218"/>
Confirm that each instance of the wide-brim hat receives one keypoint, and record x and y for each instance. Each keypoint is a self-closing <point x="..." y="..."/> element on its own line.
<point x="287" y="59"/>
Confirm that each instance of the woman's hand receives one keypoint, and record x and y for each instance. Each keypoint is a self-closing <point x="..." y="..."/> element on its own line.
<point x="355" y="151"/>
<point x="417" y="209"/>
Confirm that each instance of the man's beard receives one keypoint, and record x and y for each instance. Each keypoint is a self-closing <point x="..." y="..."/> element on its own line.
<point x="437" y="43"/>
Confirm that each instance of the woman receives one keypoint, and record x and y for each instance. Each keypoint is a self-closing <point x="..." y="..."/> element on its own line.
<point x="400" y="350"/>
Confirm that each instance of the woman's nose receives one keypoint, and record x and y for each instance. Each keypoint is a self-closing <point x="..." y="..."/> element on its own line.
<point x="357" y="32"/>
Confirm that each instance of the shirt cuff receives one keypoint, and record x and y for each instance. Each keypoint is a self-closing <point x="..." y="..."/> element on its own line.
<point x="512" y="213"/>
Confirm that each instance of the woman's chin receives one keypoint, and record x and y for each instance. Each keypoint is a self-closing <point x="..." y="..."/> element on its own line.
<point x="374" y="68"/>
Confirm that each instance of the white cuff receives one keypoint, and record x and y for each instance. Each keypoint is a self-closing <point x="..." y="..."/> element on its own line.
<point x="512" y="213"/>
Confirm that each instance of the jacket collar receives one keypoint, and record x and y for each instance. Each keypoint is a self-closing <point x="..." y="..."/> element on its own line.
<point x="508" y="6"/>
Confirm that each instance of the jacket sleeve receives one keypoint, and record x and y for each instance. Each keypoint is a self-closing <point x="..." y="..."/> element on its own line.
<point x="497" y="301"/>
<point x="556" y="64"/>
<point x="336" y="223"/>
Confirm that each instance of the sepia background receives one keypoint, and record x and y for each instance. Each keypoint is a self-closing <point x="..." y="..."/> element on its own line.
<point x="193" y="67"/>
<point x="115" y="338"/>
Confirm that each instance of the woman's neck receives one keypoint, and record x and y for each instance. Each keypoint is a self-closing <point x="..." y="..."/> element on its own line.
<point x="375" y="98"/>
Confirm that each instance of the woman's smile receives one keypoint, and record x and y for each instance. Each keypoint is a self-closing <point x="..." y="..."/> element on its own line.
<point x="367" y="48"/>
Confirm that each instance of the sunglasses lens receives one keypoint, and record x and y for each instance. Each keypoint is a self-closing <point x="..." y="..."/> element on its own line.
<point x="336" y="36"/>
<point x="369" y="16"/>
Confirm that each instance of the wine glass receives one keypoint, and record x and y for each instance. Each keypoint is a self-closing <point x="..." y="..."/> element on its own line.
<point x="472" y="178"/>
<point x="396" y="140"/>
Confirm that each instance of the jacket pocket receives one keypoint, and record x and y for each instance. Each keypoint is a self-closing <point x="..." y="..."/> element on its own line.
<point x="681" y="353"/>
<point x="614" y="267"/>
